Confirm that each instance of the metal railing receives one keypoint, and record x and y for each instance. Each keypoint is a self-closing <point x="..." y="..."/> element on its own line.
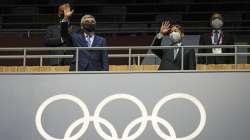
<point x="124" y="30"/>
<point x="129" y="55"/>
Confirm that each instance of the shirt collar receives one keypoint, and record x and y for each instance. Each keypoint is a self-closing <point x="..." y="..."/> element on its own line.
<point x="178" y="44"/>
<point x="86" y="35"/>
<point x="219" y="31"/>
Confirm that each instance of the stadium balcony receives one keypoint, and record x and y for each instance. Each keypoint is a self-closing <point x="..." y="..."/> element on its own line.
<point x="123" y="23"/>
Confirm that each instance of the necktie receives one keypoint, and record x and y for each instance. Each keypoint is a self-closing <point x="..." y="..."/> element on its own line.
<point x="89" y="41"/>
<point x="175" y="52"/>
<point x="216" y="37"/>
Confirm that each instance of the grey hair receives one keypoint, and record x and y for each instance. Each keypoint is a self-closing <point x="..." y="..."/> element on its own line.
<point x="86" y="16"/>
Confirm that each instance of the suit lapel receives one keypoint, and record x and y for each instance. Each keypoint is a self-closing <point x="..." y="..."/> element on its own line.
<point x="178" y="56"/>
<point x="172" y="54"/>
<point x="83" y="40"/>
<point x="95" y="41"/>
<point x="210" y="40"/>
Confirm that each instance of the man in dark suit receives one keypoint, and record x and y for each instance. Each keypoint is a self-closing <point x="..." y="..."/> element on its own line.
<point x="89" y="60"/>
<point x="53" y="37"/>
<point x="171" y="58"/>
<point x="216" y="37"/>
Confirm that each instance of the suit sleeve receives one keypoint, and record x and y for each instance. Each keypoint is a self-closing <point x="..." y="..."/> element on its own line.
<point x="104" y="58"/>
<point x="157" y="42"/>
<point x="66" y="34"/>
<point x="50" y="40"/>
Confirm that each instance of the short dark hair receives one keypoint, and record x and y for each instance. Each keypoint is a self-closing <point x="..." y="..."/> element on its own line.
<point x="216" y="13"/>
<point x="62" y="2"/>
<point x="178" y="26"/>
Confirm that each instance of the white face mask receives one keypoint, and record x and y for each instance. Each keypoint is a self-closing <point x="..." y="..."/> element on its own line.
<point x="217" y="23"/>
<point x="175" y="37"/>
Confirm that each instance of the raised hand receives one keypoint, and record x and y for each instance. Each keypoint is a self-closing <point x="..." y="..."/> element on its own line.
<point x="165" y="27"/>
<point x="67" y="13"/>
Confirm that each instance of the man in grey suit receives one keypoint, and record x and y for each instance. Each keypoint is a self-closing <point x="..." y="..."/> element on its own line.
<point x="53" y="37"/>
<point x="171" y="58"/>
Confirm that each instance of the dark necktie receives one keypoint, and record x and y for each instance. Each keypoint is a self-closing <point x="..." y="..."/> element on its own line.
<point x="88" y="40"/>
<point x="216" y="37"/>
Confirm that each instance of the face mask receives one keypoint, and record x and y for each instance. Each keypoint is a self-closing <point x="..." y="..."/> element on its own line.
<point x="175" y="37"/>
<point x="217" y="23"/>
<point x="89" y="27"/>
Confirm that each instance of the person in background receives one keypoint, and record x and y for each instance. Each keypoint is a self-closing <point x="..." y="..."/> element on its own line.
<point x="171" y="58"/>
<point x="53" y="37"/>
<point x="216" y="37"/>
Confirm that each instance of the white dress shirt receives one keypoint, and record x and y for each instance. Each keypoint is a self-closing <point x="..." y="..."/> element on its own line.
<point x="217" y="50"/>
<point x="89" y="39"/>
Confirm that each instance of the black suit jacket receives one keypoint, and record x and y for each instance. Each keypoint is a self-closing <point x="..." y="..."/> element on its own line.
<point x="167" y="57"/>
<point x="53" y="39"/>
<point x="206" y="40"/>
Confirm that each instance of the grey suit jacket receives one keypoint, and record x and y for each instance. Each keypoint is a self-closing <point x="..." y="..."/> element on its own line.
<point x="167" y="56"/>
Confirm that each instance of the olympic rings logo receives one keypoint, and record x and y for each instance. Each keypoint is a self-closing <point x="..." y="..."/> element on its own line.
<point x="143" y="120"/>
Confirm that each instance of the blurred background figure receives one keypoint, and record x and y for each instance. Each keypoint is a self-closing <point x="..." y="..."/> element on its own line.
<point x="216" y="37"/>
<point x="53" y="37"/>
